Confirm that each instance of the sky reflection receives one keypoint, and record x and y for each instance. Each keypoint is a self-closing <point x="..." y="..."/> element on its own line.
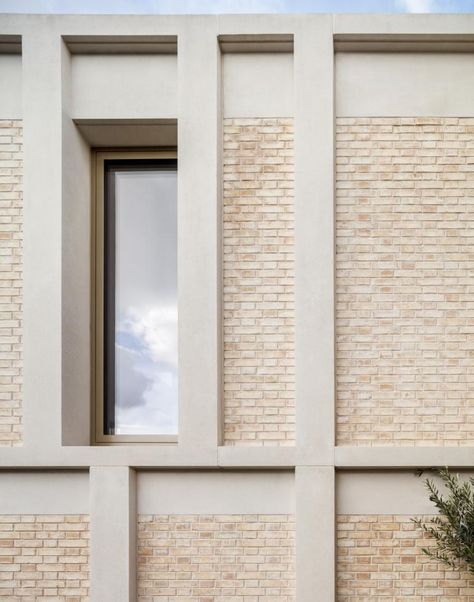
<point x="146" y="353"/>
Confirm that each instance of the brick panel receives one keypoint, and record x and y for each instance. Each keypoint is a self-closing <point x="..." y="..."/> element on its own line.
<point x="405" y="282"/>
<point x="11" y="219"/>
<point x="380" y="558"/>
<point x="258" y="274"/>
<point x="44" y="558"/>
<point x="202" y="558"/>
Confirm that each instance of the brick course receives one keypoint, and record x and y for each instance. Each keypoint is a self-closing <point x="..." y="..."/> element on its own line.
<point x="258" y="279"/>
<point x="404" y="278"/>
<point x="11" y="219"/>
<point x="44" y="558"/>
<point x="380" y="558"/>
<point x="204" y="558"/>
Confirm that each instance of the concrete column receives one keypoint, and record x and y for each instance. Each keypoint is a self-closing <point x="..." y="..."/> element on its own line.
<point x="315" y="534"/>
<point x="113" y="534"/>
<point x="314" y="225"/>
<point x="198" y="235"/>
<point x="42" y="237"/>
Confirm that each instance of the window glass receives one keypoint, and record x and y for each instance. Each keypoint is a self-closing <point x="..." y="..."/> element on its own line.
<point x="141" y="362"/>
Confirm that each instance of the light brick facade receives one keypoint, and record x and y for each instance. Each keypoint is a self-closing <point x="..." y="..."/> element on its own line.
<point x="44" y="558"/>
<point x="380" y="558"/>
<point x="10" y="281"/>
<point x="404" y="280"/>
<point x="216" y="558"/>
<point x="258" y="274"/>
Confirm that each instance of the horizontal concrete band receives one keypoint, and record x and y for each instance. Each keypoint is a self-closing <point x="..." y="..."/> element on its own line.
<point x="215" y="492"/>
<point x="384" y="84"/>
<point x="381" y="492"/>
<point x="48" y="492"/>
<point x="182" y="492"/>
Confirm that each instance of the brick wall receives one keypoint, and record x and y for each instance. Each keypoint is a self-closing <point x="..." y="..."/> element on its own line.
<point x="216" y="558"/>
<point x="404" y="277"/>
<point x="10" y="281"/>
<point x="258" y="273"/>
<point x="44" y="558"/>
<point x="380" y="558"/>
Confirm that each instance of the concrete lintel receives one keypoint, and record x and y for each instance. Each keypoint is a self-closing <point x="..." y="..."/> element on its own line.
<point x="113" y="534"/>
<point x="314" y="225"/>
<point x="215" y="492"/>
<point x="315" y="534"/>
<point x="413" y="24"/>
<point x="256" y="457"/>
<point x="139" y="456"/>
<point x="403" y="457"/>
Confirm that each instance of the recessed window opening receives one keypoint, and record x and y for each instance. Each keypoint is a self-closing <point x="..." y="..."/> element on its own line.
<point x="139" y="330"/>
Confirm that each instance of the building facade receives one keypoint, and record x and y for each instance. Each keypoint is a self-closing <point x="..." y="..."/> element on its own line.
<point x="315" y="292"/>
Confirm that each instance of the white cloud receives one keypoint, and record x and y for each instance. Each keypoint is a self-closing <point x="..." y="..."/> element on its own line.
<point x="418" y="6"/>
<point x="156" y="328"/>
<point x="147" y="371"/>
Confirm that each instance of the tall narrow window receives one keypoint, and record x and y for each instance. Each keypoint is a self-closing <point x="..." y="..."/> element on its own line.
<point x="139" y="363"/>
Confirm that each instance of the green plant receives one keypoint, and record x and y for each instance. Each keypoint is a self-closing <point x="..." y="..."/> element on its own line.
<point x="453" y="529"/>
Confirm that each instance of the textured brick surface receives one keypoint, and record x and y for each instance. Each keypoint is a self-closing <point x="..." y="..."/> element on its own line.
<point x="44" y="558"/>
<point x="244" y="558"/>
<point x="380" y="558"/>
<point x="405" y="281"/>
<point x="10" y="281"/>
<point x="258" y="246"/>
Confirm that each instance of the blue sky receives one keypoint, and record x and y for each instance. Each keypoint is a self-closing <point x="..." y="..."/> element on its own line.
<point x="234" y="6"/>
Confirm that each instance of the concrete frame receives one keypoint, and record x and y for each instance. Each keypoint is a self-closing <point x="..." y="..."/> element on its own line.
<point x="47" y="125"/>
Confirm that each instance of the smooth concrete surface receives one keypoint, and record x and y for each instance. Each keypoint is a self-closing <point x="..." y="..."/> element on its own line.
<point x="314" y="235"/>
<point x="112" y="133"/>
<point x="258" y="85"/>
<point x="112" y="534"/>
<point x="400" y="457"/>
<point x="76" y="274"/>
<point x="42" y="236"/>
<point x="385" y="84"/>
<point x="10" y="78"/>
<point x="215" y="492"/>
<point x="315" y="534"/>
<point x="384" y="492"/>
<point x="124" y="86"/>
<point x="27" y="492"/>
<point x="230" y="456"/>
<point x="199" y="220"/>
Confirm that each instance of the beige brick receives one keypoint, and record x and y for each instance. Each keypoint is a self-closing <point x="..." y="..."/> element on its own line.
<point x="47" y="558"/>
<point x="216" y="558"/>
<point x="11" y="241"/>
<point x="379" y="558"/>
<point x="258" y="279"/>
<point x="404" y="278"/>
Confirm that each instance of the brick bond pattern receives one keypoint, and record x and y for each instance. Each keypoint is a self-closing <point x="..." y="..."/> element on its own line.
<point x="44" y="558"/>
<point x="10" y="281"/>
<point x="380" y="558"/>
<point x="405" y="283"/>
<point x="244" y="558"/>
<point x="258" y="274"/>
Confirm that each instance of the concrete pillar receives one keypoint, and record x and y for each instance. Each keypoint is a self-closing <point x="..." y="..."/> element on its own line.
<point x="42" y="93"/>
<point x="198" y="235"/>
<point x="314" y="235"/>
<point x="113" y="519"/>
<point x="315" y="534"/>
